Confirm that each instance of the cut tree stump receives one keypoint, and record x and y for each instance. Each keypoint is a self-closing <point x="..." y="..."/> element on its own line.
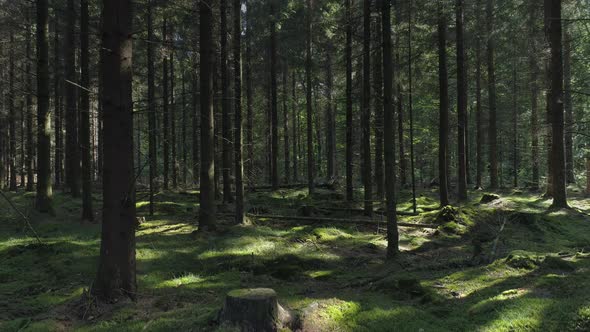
<point x="253" y="310"/>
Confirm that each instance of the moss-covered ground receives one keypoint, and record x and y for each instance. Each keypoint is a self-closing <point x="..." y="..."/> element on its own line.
<point x="509" y="265"/>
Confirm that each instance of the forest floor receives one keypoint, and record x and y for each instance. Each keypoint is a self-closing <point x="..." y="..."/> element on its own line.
<point x="508" y="265"/>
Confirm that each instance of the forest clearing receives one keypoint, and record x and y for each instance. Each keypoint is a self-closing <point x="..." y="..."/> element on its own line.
<point x="333" y="274"/>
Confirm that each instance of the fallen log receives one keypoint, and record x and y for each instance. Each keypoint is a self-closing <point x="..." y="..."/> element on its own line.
<point x="335" y="220"/>
<point x="359" y="211"/>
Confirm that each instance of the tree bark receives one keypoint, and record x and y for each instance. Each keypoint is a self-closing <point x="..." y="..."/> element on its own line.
<point x="493" y="135"/>
<point x="514" y="127"/>
<point x="410" y="107"/>
<point x="225" y="108"/>
<point x="534" y="87"/>
<point x="11" y="118"/>
<point x="461" y="103"/>
<point x="183" y="127"/>
<point x="443" y="143"/>
<point x="569" y="107"/>
<point x="87" y="213"/>
<point x="378" y="109"/>
<point x="308" y="99"/>
<point x="57" y="95"/>
<point x="249" y="105"/>
<point x="555" y="102"/>
<point x="44" y="190"/>
<point x="274" y="136"/>
<point x="286" y="125"/>
<point x="366" y="109"/>
<point x="172" y="118"/>
<point x="239" y="168"/>
<point x="153" y="157"/>
<point x="479" y="140"/>
<point x="330" y="118"/>
<point x="389" y="136"/>
<point x="165" y="110"/>
<point x="207" y="205"/>
<point x="29" y="113"/>
<point x="72" y="153"/>
<point x="349" y="115"/>
<point x="295" y="127"/>
<point x="116" y="269"/>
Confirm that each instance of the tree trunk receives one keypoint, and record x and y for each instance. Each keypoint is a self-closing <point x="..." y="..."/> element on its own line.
<point x="479" y="140"/>
<point x="207" y="205"/>
<point x="410" y="107"/>
<point x="349" y="115"/>
<point x="44" y="190"/>
<point x="239" y="168"/>
<point x="116" y="269"/>
<point x="555" y="102"/>
<point x="534" y="86"/>
<point x="274" y="138"/>
<point x="286" y="125"/>
<point x="165" y="110"/>
<point x="85" y="147"/>
<point x="588" y="175"/>
<point x="399" y="104"/>
<point x="172" y="119"/>
<point x="366" y="109"/>
<point x="225" y="108"/>
<point x="196" y="127"/>
<point x="72" y="153"/>
<point x="514" y="127"/>
<point x="29" y="114"/>
<point x="153" y="154"/>
<point x="389" y="136"/>
<point x="493" y="136"/>
<point x="295" y="127"/>
<point x="308" y="100"/>
<point x="11" y="118"/>
<point x="249" y="105"/>
<point x="57" y="95"/>
<point x="569" y="107"/>
<point x="443" y="140"/>
<point x="378" y="107"/>
<point x="330" y="117"/>
<point x="183" y="127"/>
<point x="461" y="103"/>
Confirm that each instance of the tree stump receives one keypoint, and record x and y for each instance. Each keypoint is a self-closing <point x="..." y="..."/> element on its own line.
<point x="252" y="310"/>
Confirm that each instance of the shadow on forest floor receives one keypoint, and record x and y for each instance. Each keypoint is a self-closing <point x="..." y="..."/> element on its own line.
<point x="504" y="266"/>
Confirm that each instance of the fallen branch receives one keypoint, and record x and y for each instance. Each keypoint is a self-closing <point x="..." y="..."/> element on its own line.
<point x="355" y="221"/>
<point x="27" y="222"/>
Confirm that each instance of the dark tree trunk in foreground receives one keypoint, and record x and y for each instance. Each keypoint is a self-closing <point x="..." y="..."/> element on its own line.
<point x="493" y="135"/>
<point x="514" y="127"/>
<point x="72" y="155"/>
<point x="461" y="103"/>
<point x="389" y="136"/>
<point x="29" y="116"/>
<point x="534" y="86"/>
<point x="85" y="144"/>
<point x="308" y="101"/>
<point x="44" y="190"/>
<point x="294" y="125"/>
<point x="478" y="105"/>
<point x="274" y="114"/>
<point x="569" y="108"/>
<point x="225" y="108"/>
<point x="153" y="157"/>
<point x="443" y="136"/>
<point x="366" y="109"/>
<point x="116" y="269"/>
<point x="195" y="130"/>
<point x="11" y="118"/>
<point x="207" y="198"/>
<point x="349" y="129"/>
<point x="238" y="159"/>
<point x="555" y="101"/>
<point x="183" y="145"/>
